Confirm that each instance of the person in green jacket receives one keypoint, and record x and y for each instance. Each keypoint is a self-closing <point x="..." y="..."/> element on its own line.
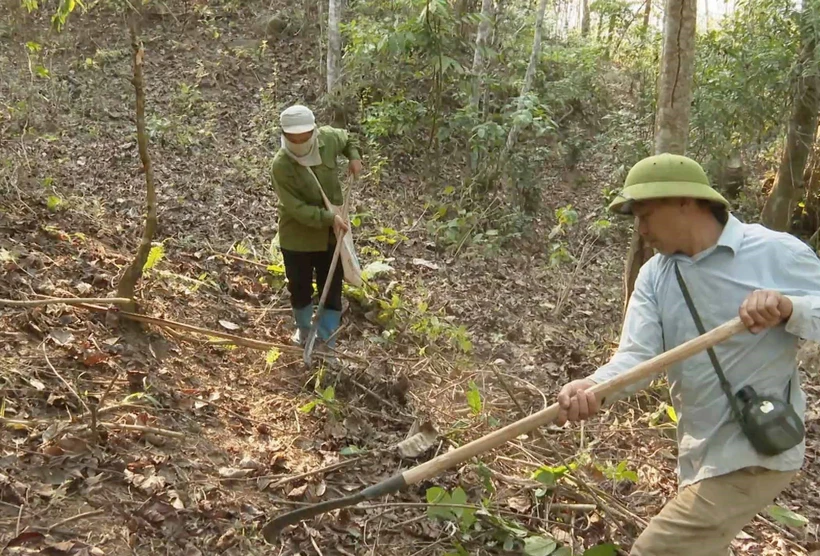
<point x="305" y="162"/>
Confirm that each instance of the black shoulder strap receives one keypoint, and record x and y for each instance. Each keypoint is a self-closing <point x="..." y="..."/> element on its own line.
<point x="724" y="384"/>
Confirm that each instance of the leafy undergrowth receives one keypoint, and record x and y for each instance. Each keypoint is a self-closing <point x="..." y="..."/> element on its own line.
<point x="465" y="330"/>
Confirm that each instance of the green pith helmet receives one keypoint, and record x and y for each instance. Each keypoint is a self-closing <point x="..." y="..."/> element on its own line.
<point x="665" y="175"/>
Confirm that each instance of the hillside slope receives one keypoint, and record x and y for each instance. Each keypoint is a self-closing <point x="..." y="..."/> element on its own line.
<point x="461" y="340"/>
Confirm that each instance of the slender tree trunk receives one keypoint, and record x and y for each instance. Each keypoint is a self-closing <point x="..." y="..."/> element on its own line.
<point x="528" y="78"/>
<point x="584" y="18"/>
<point x="478" y="55"/>
<point x="334" y="44"/>
<point x="646" y="13"/>
<point x="128" y="283"/>
<point x="674" y="99"/>
<point x="789" y="185"/>
<point x="677" y="69"/>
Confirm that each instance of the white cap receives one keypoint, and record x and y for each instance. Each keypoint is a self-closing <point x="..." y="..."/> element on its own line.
<point x="297" y="119"/>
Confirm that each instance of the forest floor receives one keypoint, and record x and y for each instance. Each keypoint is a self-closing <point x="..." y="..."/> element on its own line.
<point x="458" y="341"/>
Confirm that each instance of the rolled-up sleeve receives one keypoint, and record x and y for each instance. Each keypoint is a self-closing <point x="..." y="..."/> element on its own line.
<point x="802" y="287"/>
<point x="641" y="334"/>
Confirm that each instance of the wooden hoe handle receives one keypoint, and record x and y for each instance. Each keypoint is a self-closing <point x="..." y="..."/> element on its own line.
<point x="431" y="468"/>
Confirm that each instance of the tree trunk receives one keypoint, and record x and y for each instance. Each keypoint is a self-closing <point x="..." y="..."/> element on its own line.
<point x="789" y="185"/>
<point x="675" y="81"/>
<point x="128" y="283"/>
<point x="334" y="44"/>
<point x="478" y="65"/>
<point x="525" y="88"/>
<point x="584" y="18"/>
<point x="674" y="100"/>
<point x="478" y="54"/>
<point x="646" y="13"/>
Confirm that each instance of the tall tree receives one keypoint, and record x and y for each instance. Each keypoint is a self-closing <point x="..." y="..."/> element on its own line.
<point x="677" y="66"/>
<point x="334" y="44"/>
<point x="530" y="75"/>
<point x="482" y="35"/>
<point x="584" y="18"/>
<point x="789" y="185"/>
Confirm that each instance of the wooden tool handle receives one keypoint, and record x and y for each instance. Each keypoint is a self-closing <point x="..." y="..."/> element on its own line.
<point x="638" y="373"/>
<point x="429" y="469"/>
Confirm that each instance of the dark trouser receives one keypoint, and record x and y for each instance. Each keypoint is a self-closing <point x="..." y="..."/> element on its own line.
<point x="299" y="268"/>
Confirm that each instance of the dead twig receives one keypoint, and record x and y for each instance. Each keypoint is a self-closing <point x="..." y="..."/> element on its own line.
<point x="65" y="301"/>
<point x="326" y="469"/>
<point x="313" y="541"/>
<point x="74" y="518"/>
<point x="70" y="428"/>
<point x="144" y="428"/>
<point x="92" y="412"/>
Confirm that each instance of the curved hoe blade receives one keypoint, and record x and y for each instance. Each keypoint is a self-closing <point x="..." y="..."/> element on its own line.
<point x="272" y="528"/>
<point x="311" y="340"/>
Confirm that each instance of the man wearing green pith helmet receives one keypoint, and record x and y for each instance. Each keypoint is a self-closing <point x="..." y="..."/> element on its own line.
<point x="727" y="268"/>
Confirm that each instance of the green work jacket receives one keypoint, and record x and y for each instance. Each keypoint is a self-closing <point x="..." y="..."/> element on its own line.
<point x="304" y="222"/>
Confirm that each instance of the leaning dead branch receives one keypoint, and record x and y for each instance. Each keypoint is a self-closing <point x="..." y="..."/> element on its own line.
<point x="65" y="301"/>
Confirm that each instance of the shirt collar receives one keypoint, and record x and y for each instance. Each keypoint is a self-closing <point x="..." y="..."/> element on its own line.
<point x="732" y="235"/>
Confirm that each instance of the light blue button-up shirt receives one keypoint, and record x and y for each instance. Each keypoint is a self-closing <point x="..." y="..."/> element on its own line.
<point x="746" y="257"/>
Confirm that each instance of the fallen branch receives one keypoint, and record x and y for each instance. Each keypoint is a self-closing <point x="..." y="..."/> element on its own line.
<point x="74" y="518"/>
<point x="92" y="412"/>
<point x="143" y="428"/>
<point x="65" y="301"/>
<point x="74" y="428"/>
<point x="325" y="469"/>
<point x="248" y="261"/>
<point x="238" y="340"/>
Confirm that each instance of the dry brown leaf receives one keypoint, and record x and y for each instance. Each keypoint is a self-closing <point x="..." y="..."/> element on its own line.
<point x="61" y="337"/>
<point x="298" y="492"/>
<point x="24" y="538"/>
<point x="248" y="463"/>
<point x="95" y="359"/>
<point x="149" y="482"/>
<point x="418" y="441"/>
<point x="234" y="472"/>
<point x="73" y="444"/>
<point x="521" y="503"/>
<point x="226" y="541"/>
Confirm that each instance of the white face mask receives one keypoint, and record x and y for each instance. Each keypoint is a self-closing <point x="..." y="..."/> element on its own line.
<point x="301" y="149"/>
<point x="307" y="153"/>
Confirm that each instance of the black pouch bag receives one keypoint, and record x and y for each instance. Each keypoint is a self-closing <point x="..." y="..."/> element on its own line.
<point x="770" y="424"/>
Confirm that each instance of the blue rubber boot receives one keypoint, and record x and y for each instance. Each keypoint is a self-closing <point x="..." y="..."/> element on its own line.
<point x="303" y="317"/>
<point x="328" y="324"/>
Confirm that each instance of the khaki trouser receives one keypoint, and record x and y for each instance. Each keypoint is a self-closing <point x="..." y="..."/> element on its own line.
<point x="704" y="518"/>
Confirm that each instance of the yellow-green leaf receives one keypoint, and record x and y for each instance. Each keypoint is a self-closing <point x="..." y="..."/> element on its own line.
<point x="671" y="412"/>
<point x="272" y="356"/>
<point x="154" y="256"/>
